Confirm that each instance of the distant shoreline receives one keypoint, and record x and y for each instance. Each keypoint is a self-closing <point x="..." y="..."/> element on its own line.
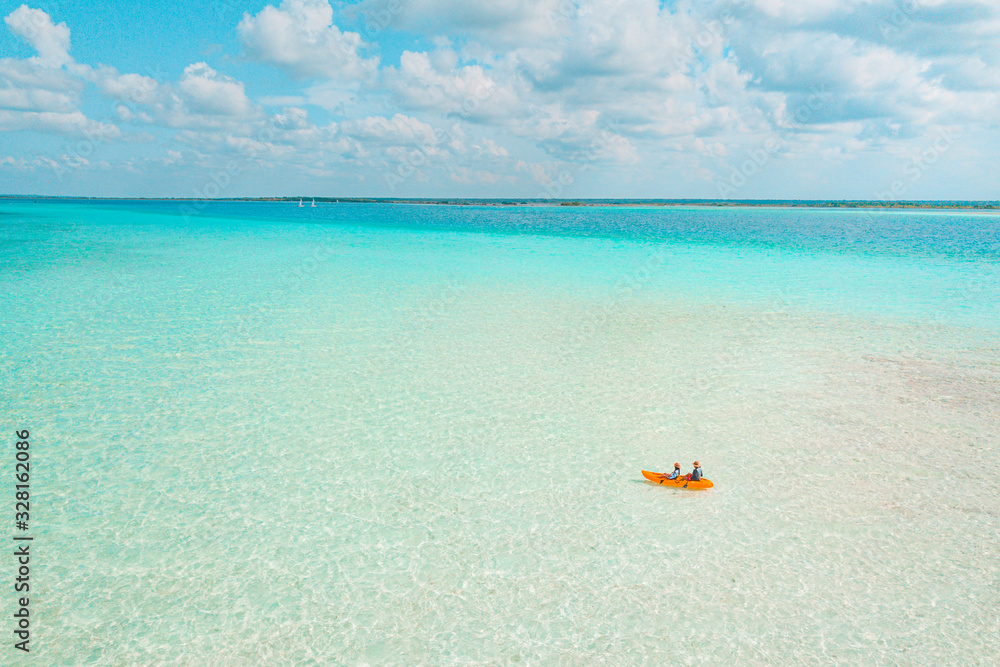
<point x="621" y="203"/>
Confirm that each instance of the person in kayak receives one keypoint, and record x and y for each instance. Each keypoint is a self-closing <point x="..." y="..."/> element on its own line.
<point x="676" y="473"/>
<point x="696" y="474"/>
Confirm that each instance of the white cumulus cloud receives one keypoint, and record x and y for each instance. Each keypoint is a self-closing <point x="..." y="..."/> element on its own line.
<point x="300" y="37"/>
<point x="208" y="92"/>
<point x="50" y="40"/>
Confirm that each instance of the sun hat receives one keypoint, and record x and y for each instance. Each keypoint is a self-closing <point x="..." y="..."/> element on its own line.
<point x="677" y="465"/>
<point x="697" y="465"/>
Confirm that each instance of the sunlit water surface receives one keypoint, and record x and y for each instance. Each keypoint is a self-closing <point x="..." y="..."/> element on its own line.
<point x="395" y="434"/>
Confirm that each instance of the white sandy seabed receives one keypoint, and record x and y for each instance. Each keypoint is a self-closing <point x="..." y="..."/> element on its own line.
<point x="376" y="469"/>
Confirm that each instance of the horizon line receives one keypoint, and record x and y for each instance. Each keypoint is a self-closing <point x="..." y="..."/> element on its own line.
<point x="576" y="201"/>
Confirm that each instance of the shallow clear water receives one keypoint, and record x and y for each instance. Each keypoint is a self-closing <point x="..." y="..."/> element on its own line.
<point x="395" y="434"/>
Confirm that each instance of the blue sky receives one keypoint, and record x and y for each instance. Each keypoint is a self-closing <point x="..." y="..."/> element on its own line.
<point x="858" y="99"/>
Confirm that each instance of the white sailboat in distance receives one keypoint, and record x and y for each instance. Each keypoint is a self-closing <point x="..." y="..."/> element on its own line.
<point x="300" y="203"/>
<point x="314" y="203"/>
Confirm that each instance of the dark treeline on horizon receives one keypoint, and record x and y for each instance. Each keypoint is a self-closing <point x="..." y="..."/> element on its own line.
<point x="515" y="201"/>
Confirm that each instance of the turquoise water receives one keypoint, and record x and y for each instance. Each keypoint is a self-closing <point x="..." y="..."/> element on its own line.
<point x="399" y="434"/>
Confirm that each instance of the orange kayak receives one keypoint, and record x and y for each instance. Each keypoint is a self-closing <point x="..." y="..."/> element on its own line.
<point x="679" y="483"/>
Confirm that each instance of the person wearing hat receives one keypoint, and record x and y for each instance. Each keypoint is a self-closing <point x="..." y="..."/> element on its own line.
<point x="676" y="473"/>
<point x="696" y="474"/>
